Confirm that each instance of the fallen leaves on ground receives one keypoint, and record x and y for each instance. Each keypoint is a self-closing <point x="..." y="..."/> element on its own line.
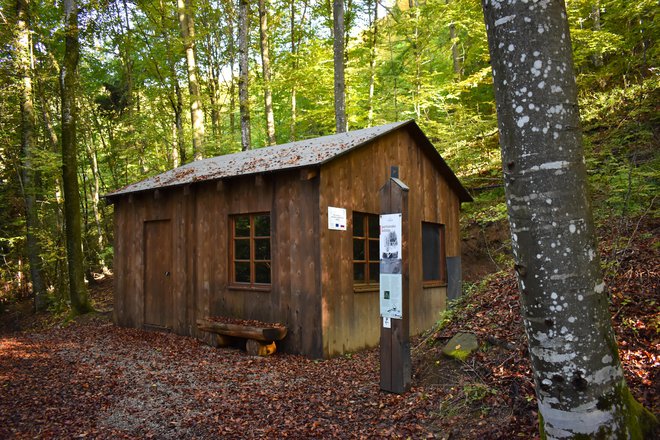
<point x="101" y="381"/>
<point x="91" y="379"/>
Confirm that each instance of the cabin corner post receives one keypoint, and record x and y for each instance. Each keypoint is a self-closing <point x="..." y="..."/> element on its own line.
<point x="395" y="359"/>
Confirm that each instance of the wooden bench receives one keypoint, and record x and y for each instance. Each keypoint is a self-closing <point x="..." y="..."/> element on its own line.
<point x="260" y="340"/>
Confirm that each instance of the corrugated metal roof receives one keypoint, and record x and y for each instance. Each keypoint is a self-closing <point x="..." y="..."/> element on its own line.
<point x="299" y="154"/>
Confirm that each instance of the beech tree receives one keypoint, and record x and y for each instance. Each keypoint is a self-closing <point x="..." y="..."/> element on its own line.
<point x="580" y="386"/>
<point x="187" y="24"/>
<point x="265" y="69"/>
<point x="340" y="83"/>
<point x="243" y="74"/>
<point x="68" y="78"/>
<point x="24" y="67"/>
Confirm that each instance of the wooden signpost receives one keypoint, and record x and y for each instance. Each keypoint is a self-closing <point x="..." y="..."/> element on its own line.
<point x="395" y="364"/>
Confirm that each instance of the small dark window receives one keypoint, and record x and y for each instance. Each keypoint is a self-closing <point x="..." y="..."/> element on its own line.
<point x="366" y="247"/>
<point x="250" y="249"/>
<point x="433" y="253"/>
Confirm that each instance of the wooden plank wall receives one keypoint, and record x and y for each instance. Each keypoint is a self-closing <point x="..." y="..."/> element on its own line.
<point x="351" y="319"/>
<point x="200" y="218"/>
<point x="294" y="298"/>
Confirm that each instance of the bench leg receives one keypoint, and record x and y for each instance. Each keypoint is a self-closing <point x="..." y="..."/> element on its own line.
<point x="258" y="348"/>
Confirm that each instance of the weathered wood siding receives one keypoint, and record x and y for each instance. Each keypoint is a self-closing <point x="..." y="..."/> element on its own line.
<point x="199" y="216"/>
<point x="312" y="271"/>
<point x="131" y="214"/>
<point x="351" y="319"/>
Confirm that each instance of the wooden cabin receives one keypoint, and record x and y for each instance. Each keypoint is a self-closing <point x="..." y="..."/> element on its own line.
<point x="247" y="236"/>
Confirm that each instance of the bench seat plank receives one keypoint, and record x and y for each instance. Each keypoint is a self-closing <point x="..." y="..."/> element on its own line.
<point x="265" y="334"/>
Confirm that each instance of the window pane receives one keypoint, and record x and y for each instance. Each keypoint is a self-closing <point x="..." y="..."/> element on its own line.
<point x="242" y="226"/>
<point x="242" y="272"/>
<point x="358" y="224"/>
<point x="431" y="251"/>
<point x="262" y="273"/>
<point x="374" y="250"/>
<point x="241" y="249"/>
<point x="262" y="225"/>
<point x="358" y="249"/>
<point x="359" y="272"/>
<point x="374" y="226"/>
<point x="262" y="249"/>
<point x="374" y="272"/>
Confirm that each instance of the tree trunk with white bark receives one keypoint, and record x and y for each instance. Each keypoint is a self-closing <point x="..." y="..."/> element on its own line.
<point x="579" y="381"/>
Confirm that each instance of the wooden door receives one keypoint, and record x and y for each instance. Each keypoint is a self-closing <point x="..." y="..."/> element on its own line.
<point x="158" y="297"/>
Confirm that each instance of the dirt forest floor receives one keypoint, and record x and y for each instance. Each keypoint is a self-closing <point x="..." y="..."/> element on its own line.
<point x="91" y="379"/>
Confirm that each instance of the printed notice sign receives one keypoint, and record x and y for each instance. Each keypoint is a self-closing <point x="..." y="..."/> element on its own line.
<point x="336" y="218"/>
<point x="391" y="278"/>
<point x="390" y="237"/>
<point x="391" y="305"/>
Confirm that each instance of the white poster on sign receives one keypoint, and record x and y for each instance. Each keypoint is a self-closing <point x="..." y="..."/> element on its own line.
<point x="336" y="218"/>
<point x="391" y="279"/>
<point x="391" y="304"/>
<point x="390" y="237"/>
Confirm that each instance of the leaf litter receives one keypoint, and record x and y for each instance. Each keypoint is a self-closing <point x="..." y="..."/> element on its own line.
<point x="91" y="379"/>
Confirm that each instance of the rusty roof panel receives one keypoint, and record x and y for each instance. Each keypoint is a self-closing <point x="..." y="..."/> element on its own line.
<point x="299" y="154"/>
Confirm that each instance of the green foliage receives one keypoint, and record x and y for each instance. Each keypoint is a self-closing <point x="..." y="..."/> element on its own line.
<point x="466" y="397"/>
<point x="488" y="207"/>
<point x="620" y="128"/>
<point x="431" y="63"/>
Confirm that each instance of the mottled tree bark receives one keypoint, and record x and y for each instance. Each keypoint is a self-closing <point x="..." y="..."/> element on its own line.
<point x="24" y="68"/>
<point x="243" y="73"/>
<point x="580" y="386"/>
<point x="265" y="70"/>
<point x="187" y="24"/>
<point x="340" y="82"/>
<point x="68" y="78"/>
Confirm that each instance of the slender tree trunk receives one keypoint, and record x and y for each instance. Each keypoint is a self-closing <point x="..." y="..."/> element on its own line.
<point x="178" y="148"/>
<point x="580" y="386"/>
<point x="456" y="62"/>
<point x="340" y="83"/>
<point x="187" y="25"/>
<point x="60" y="265"/>
<point x="243" y="75"/>
<point x="231" y="49"/>
<point x="25" y="69"/>
<point x="294" y="55"/>
<point x="395" y="76"/>
<point x="214" y="101"/>
<point x="265" y="68"/>
<point x="68" y="78"/>
<point x="294" y="104"/>
<point x="417" y="104"/>
<point x="95" y="186"/>
<point x="372" y="64"/>
<point x="597" y="58"/>
<point x="181" y="156"/>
